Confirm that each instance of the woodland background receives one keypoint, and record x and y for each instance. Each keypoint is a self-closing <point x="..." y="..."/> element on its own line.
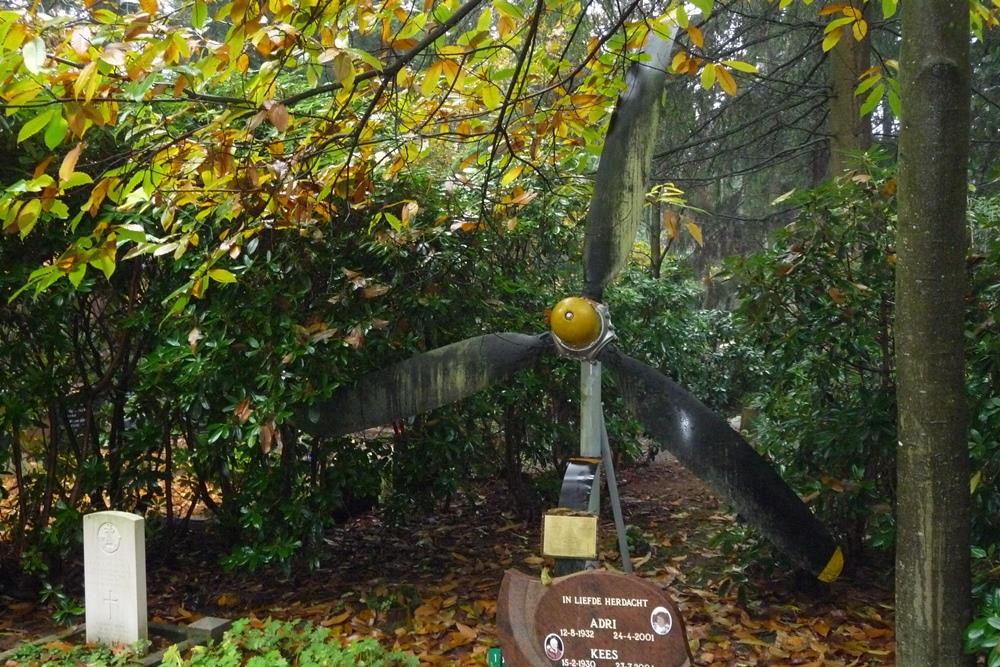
<point x="216" y="213"/>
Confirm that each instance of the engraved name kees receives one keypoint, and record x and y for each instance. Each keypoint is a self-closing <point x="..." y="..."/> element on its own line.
<point x="108" y="538"/>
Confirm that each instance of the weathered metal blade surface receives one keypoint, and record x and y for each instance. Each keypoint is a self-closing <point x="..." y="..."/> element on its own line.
<point x="621" y="182"/>
<point x="705" y="443"/>
<point x="425" y="382"/>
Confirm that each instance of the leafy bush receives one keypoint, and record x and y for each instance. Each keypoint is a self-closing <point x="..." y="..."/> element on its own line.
<point x="983" y="635"/>
<point x="819" y="301"/>
<point x="661" y="322"/>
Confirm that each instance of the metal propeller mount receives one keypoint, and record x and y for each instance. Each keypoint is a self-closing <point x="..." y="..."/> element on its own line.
<point x="581" y="329"/>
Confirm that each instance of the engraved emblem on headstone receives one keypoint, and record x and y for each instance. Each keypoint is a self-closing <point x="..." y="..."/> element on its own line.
<point x="109" y="538"/>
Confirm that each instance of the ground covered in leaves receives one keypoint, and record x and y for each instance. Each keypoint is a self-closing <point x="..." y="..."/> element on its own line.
<point x="430" y="586"/>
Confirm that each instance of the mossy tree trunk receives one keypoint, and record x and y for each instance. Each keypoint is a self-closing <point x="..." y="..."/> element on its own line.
<point x="932" y="553"/>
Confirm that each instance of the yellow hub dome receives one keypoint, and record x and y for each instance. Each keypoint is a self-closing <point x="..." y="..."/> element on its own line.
<point x="575" y="322"/>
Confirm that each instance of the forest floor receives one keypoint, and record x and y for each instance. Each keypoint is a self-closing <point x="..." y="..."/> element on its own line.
<point x="430" y="586"/>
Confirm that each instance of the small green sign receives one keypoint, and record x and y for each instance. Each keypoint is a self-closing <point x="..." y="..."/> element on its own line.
<point x="494" y="657"/>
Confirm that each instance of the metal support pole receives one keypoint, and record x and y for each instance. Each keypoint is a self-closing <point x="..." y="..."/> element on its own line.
<point x="616" y="505"/>
<point x="591" y="423"/>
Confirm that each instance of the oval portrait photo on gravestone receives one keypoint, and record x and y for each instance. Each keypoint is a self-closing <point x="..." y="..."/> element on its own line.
<point x="661" y="621"/>
<point x="553" y="647"/>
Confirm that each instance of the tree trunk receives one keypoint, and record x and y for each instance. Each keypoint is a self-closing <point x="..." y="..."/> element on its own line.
<point x="932" y="553"/>
<point x="655" y="258"/>
<point x="850" y="133"/>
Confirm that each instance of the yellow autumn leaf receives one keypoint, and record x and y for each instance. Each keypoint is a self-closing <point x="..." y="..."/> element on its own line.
<point x="696" y="36"/>
<point x="695" y="232"/>
<point x="680" y="59"/>
<point x="222" y="276"/>
<point x="832" y="8"/>
<point x="831" y="39"/>
<point x="670" y="222"/>
<point x="430" y="81"/>
<point x="68" y="165"/>
<point x="451" y="70"/>
<point x="511" y="174"/>
<point x="740" y="66"/>
<point x="491" y="96"/>
<point x="859" y="28"/>
<point x="725" y="78"/>
<point x="83" y="79"/>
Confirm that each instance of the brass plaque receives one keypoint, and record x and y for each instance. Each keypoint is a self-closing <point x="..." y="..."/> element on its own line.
<point x="569" y="536"/>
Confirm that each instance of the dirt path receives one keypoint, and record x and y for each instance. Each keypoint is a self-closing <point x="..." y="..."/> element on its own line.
<point x="430" y="586"/>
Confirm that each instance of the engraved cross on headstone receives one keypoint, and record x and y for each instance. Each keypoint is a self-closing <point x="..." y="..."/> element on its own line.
<point x="111" y="599"/>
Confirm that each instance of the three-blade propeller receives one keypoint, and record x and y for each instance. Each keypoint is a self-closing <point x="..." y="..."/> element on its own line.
<point x="700" y="439"/>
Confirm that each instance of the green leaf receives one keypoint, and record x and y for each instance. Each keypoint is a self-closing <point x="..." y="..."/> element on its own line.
<point x="35" y="125"/>
<point x="199" y="14"/>
<point x="75" y="179"/>
<point x="59" y="209"/>
<point x="77" y="274"/>
<point x="222" y="276"/>
<point x="682" y="17"/>
<point x="838" y="23"/>
<point x="873" y="99"/>
<point x="740" y="66"/>
<point x="56" y="130"/>
<point x="866" y="84"/>
<point x="894" y="103"/>
<point x="33" y="53"/>
<point x="889" y="8"/>
<point x="508" y="9"/>
<point x="707" y="77"/>
<point x="705" y="6"/>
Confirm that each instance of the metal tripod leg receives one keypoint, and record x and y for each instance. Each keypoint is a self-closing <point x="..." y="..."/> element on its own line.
<point x="616" y="506"/>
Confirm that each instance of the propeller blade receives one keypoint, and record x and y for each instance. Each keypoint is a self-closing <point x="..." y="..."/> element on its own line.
<point x="706" y="444"/>
<point x="425" y="382"/>
<point x="621" y="182"/>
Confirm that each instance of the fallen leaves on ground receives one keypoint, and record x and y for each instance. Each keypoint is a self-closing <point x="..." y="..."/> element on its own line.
<point x="429" y="584"/>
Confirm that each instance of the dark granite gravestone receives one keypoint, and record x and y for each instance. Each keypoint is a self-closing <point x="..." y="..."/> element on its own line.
<point x="589" y="619"/>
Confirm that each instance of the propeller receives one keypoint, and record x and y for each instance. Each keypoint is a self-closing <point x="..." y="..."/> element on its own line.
<point x="581" y="329"/>
<point x="424" y="382"/>
<point x="620" y="183"/>
<point x="707" y="446"/>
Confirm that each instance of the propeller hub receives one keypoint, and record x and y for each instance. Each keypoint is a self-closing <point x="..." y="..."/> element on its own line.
<point x="581" y="327"/>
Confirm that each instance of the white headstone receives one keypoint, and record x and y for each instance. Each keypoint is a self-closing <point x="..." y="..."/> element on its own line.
<point x="114" y="566"/>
